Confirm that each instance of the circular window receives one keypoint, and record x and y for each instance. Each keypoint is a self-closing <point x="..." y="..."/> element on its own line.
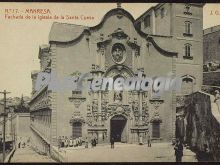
<point x="118" y="53"/>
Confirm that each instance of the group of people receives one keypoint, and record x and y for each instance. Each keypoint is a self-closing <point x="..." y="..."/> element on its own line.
<point x="64" y="142"/>
<point x="22" y="142"/>
<point x="94" y="141"/>
<point x="148" y="140"/>
<point x="178" y="150"/>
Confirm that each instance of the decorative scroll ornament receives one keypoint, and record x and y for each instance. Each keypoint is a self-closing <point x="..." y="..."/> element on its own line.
<point x="145" y="113"/>
<point x="77" y="101"/>
<point x="135" y="109"/>
<point x="180" y="101"/>
<point x="41" y="102"/>
<point x="119" y="34"/>
<point x="104" y="110"/>
<point x="77" y="118"/>
<point x="187" y="9"/>
<point x="156" y="117"/>
<point x="114" y="109"/>
<point x="156" y="103"/>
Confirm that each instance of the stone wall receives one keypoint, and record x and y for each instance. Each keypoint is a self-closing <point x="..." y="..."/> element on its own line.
<point x="203" y="126"/>
<point x="211" y="78"/>
<point x="211" y="42"/>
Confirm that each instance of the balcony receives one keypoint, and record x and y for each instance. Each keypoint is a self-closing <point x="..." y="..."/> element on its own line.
<point x="188" y="57"/>
<point x="187" y="35"/>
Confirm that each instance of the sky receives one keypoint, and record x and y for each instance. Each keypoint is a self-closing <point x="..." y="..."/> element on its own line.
<point x="20" y="38"/>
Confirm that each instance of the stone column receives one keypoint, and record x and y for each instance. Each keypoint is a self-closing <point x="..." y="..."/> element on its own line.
<point x="102" y="54"/>
<point x="99" y="106"/>
<point x="173" y="101"/>
<point x="140" y="107"/>
<point x="133" y="60"/>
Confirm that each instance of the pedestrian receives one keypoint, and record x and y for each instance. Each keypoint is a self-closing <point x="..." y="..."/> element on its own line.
<point x="208" y="154"/>
<point x="140" y="140"/>
<point x="95" y="141"/>
<point x="92" y="142"/>
<point x="112" y="142"/>
<point x="204" y="155"/>
<point x="80" y="141"/>
<point x="19" y="144"/>
<point x="148" y="140"/>
<point x="59" y="142"/>
<point x="217" y="95"/>
<point x="71" y="142"/>
<point x="62" y="141"/>
<point x="77" y="142"/>
<point x="74" y="142"/>
<point x="86" y="142"/>
<point x="66" y="142"/>
<point x="178" y="150"/>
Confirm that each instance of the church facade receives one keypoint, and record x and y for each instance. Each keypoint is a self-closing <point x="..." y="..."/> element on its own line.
<point x="118" y="47"/>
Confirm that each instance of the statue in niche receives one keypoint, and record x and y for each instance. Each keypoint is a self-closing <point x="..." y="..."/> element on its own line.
<point x="135" y="106"/>
<point x="95" y="106"/>
<point x="118" y="96"/>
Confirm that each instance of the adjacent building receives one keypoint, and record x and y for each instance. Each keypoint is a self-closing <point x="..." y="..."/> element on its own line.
<point x="211" y="42"/>
<point x="165" y="40"/>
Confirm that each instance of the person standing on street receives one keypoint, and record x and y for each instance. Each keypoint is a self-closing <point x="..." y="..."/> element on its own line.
<point x="178" y="150"/>
<point x="71" y="142"/>
<point x="62" y="141"/>
<point x="86" y="143"/>
<point x="112" y="142"/>
<point x="148" y="140"/>
<point x="140" y="140"/>
<point x="95" y="141"/>
<point x="66" y="142"/>
<point x="92" y="142"/>
<point x="59" y="142"/>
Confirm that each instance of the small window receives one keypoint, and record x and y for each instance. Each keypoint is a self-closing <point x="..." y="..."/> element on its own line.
<point x="162" y="12"/>
<point x="188" y="27"/>
<point x="147" y="21"/>
<point x="155" y="130"/>
<point x="188" y="51"/>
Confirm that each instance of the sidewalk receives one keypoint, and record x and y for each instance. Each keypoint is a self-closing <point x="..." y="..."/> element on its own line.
<point x="29" y="155"/>
<point x="159" y="152"/>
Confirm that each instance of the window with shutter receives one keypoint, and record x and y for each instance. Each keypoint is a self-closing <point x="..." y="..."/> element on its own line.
<point x="188" y="51"/>
<point x="156" y="130"/>
<point x="77" y="130"/>
<point x="188" y="29"/>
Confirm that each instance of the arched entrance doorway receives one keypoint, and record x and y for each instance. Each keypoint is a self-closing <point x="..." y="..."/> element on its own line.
<point x="118" y="128"/>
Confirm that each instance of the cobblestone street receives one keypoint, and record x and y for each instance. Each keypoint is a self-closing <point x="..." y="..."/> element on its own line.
<point x="29" y="155"/>
<point x="159" y="152"/>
